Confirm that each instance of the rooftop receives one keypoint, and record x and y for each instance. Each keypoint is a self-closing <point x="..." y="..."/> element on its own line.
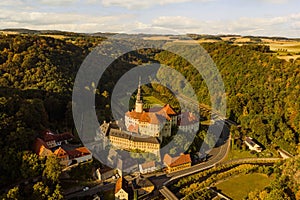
<point x="176" y="161"/>
<point x="148" y="165"/>
<point x="154" y="115"/>
<point x="121" y="184"/>
<point x="78" y="152"/>
<point x="47" y="135"/>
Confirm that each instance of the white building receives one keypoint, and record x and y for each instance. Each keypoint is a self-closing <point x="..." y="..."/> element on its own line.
<point x="147" y="167"/>
<point x="253" y="146"/>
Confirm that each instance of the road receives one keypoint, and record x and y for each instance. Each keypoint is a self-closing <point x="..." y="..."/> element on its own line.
<point x="91" y="191"/>
<point x="167" y="193"/>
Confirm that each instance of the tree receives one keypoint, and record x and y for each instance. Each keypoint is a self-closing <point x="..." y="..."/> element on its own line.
<point x="13" y="194"/>
<point x="57" y="194"/>
<point x="52" y="169"/>
<point x="41" y="191"/>
<point x="31" y="165"/>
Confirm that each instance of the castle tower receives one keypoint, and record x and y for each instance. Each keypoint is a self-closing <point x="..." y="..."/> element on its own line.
<point x="139" y="102"/>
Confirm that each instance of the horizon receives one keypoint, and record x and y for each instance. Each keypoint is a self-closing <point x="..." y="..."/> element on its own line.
<point x="42" y="31"/>
<point x="262" y="18"/>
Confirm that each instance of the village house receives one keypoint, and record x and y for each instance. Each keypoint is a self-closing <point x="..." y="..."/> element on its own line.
<point x="63" y="156"/>
<point x="147" y="167"/>
<point x="80" y="155"/>
<point x="177" y="163"/>
<point x="41" y="148"/>
<point x="53" y="140"/>
<point x="67" y="157"/>
<point x="253" y="146"/>
<point x="122" y="190"/>
<point x="104" y="175"/>
<point x="284" y="154"/>
<point x="142" y="186"/>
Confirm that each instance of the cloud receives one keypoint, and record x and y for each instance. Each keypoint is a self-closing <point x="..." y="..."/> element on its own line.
<point x="143" y="4"/>
<point x="24" y="16"/>
<point x="276" y="26"/>
<point x="62" y="21"/>
<point x="55" y="2"/>
<point x="276" y="1"/>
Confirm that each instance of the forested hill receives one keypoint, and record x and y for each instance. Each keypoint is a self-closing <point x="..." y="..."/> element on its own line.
<point x="42" y="63"/>
<point x="262" y="91"/>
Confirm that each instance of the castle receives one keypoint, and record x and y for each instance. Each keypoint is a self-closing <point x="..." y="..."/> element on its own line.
<point x="154" y="122"/>
<point x="145" y="128"/>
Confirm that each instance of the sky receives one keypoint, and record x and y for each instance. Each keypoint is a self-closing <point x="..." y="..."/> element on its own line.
<point x="243" y="17"/>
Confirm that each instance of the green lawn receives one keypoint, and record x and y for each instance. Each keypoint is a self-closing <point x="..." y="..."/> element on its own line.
<point x="236" y="154"/>
<point x="239" y="186"/>
<point x="151" y="100"/>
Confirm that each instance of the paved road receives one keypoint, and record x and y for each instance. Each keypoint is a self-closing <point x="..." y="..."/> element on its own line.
<point x="91" y="191"/>
<point x="167" y="193"/>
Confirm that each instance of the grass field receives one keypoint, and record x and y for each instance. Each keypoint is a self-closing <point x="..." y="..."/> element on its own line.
<point x="236" y="154"/>
<point x="55" y="36"/>
<point x="239" y="186"/>
<point x="151" y="100"/>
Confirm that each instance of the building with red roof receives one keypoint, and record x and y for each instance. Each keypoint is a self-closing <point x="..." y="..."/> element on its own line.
<point x="122" y="190"/>
<point x="154" y="122"/>
<point x="177" y="163"/>
<point x="54" y="140"/>
<point x="53" y="144"/>
<point x="41" y="148"/>
<point x="147" y="167"/>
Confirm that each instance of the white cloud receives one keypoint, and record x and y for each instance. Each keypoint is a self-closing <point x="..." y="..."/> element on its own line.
<point x="61" y="21"/>
<point x="279" y="26"/>
<point x="276" y="1"/>
<point x="55" y="2"/>
<point x="142" y="4"/>
<point x="34" y="18"/>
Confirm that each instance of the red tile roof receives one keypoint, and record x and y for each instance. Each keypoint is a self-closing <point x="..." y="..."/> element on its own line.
<point x="152" y="118"/>
<point x="47" y="135"/>
<point x="78" y="152"/>
<point x="176" y="161"/>
<point x="148" y="165"/>
<point x="154" y="115"/>
<point x="133" y="114"/>
<point x="121" y="184"/>
<point x="38" y="144"/>
<point x="118" y="185"/>
<point x="60" y="153"/>
<point x="169" y="110"/>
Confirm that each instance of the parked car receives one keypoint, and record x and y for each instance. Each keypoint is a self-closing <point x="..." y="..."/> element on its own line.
<point x="85" y="188"/>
